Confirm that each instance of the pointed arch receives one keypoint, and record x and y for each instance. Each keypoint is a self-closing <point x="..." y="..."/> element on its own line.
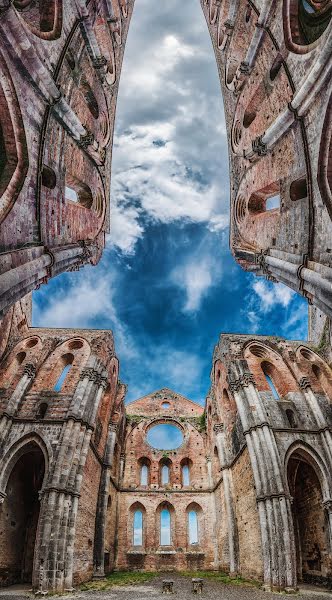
<point x="13" y="147"/>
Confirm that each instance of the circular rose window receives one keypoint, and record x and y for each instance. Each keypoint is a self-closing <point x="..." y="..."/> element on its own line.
<point x="165" y="437"/>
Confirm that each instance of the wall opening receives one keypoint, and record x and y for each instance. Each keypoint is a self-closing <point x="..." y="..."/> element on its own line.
<point x="19" y="517"/>
<point x="165" y="527"/>
<point x="299" y="189"/>
<point x="311" y="533"/>
<point x="78" y="191"/>
<point x="67" y="360"/>
<point x="193" y="527"/>
<point x="138" y="528"/>
<point x="48" y="177"/>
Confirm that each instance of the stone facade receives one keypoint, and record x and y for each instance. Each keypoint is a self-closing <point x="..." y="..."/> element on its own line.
<point x="269" y="415"/>
<point x="274" y="61"/>
<point x="61" y="414"/>
<point x="83" y="489"/>
<point x="60" y="64"/>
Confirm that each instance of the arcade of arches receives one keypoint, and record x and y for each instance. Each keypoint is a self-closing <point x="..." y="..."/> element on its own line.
<point x="86" y="484"/>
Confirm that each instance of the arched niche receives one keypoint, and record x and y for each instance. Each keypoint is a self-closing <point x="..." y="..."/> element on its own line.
<point x="13" y="146"/>
<point x="22" y="478"/>
<point x="43" y="17"/>
<point x="305" y="23"/>
<point x="325" y="160"/>
<point x="308" y="487"/>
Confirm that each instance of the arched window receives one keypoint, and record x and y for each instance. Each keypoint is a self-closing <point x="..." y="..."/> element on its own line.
<point x="20" y="357"/>
<point x="164" y="474"/>
<point x="42" y="410"/>
<point x="272" y="387"/>
<point x="165" y="527"/>
<point x="276" y="66"/>
<point x="67" y="360"/>
<point x="48" y="177"/>
<point x="291" y="418"/>
<point x="144" y="475"/>
<point x="298" y="189"/>
<point x="78" y="191"/>
<point x="267" y="369"/>
<point x="185" y="475"/>
<point x="138" y="528"/>
<point x="193" y="527"/>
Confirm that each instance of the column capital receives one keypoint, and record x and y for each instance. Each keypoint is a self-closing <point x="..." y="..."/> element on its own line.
<point x="30" y="370"/>
<point x="218" y="428"/>
<point x="86" y="140"/>
<point x="259" y="147"/>
<point x="327" y="504"/>
<point x="304" y="383"/>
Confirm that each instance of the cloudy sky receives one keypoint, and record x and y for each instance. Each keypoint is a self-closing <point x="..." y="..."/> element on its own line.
<point x="167" y="284"/>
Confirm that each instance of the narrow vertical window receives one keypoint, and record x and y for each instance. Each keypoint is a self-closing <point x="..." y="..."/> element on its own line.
<point x="165" y="527"/>
<point x="61" y="380"/>
<point x="144" y="475"/>
<point x="164" y="475"/>
<point x="193" y="527"/>
<point x="272" y="387"/>
<point x="185" y="475"/>
<point x="138" y="528"/>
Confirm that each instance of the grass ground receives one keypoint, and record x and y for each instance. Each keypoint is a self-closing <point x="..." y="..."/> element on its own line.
<point x="136" y="577"/>
<point x="222" y="577"/>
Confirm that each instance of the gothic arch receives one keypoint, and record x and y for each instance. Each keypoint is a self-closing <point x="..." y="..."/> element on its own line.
<point x="13" y="146"/>
<point x="316" y="369"/>
<point x="17" y="450"/>
<point x="308" y="454"/>
<point x="325" y="160"/>
<point x="266" y="363"/>
<point x="43" y="18"/>
<point x="304" y="30"/>
<point x="50" y="371"/>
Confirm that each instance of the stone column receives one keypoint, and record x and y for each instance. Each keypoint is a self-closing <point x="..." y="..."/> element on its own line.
<point x="101" y="516"/>
<point x="299" y="106"/>
<point x="254" y="46"/>
<point x="274" y="509"/>
<point x="14" y="29"/>
<point x="23" y="385"/>
<point x="230" y="512"/>
<point x="214" y="513"/>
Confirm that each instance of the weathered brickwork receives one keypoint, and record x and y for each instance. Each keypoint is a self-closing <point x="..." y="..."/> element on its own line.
<point x="275" y="72"/>
<point x="61" y="414"/>
<point x="84" y="490"/>
<point x="177" y="495"/>
<point x="60" y="64"/>
<point x="269" y="408"/>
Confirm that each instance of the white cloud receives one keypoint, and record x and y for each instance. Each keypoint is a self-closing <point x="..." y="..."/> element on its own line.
<point x="196" y="277"/>
<point x="170" y="138"/>
<point x="271" y="295"/>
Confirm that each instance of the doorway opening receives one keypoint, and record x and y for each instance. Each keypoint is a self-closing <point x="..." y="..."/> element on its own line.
<point x="19" y="517"/>
<point x="311" y="528"/>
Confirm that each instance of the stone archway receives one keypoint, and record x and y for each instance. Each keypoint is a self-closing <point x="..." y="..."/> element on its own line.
<point x="310" y="521"/>
<point x="19" y="515"/>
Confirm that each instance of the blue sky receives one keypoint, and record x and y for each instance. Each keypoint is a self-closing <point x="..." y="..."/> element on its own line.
<point x="167" y="284"/>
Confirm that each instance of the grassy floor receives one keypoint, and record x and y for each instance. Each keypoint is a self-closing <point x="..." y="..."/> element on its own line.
<point x="118" y="578"/>
<point x="221" y="577"/>
<point x="136" y="577"/>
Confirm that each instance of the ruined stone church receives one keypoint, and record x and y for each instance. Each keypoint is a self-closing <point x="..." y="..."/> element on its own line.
<point x="84" y="487"/>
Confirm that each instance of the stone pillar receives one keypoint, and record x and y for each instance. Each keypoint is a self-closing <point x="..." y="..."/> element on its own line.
<point x="254" y="46"/>
<point x="101" y="515"/>
<point x="318" y="415"/>
<point x="23" y="385"/>
<point x="299" y="106"/>
<point x="14" y="29"/>
<point x="274" y="508"/>
<point x="227" y="481"/>
<point x="214" y="513"/>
